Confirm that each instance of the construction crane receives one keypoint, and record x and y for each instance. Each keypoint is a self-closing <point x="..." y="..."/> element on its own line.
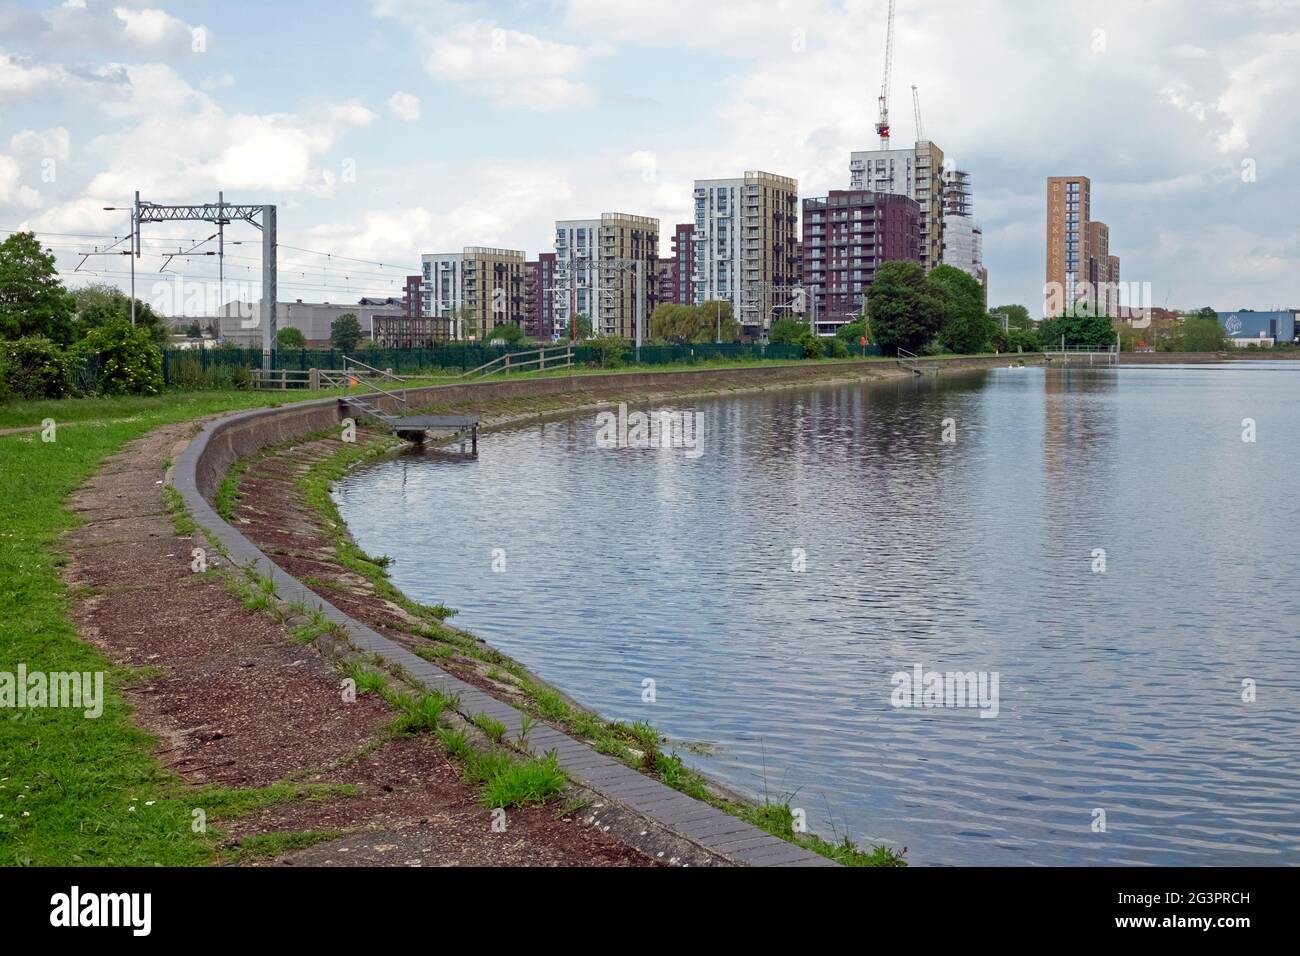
<point x="882" y="124"/>
<point x="916" y="110"/>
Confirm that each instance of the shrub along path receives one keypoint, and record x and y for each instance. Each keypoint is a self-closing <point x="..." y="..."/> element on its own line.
<point x="236" y="702"/>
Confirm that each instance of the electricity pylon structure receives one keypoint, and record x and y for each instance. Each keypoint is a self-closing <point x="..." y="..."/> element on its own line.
<point x="221" y="214"/>
<point x="600" y="269"/>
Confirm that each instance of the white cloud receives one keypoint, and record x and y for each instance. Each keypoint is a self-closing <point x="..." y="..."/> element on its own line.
<point x="54" y="143"/>
<point x="152" y="28"/>
<point x="176" y="142"/>
<point x="19" y="78"/>
<point x="405" y="106"/>
<point x="12" y="192"/>
<point x="217" y="81"/>
<point x="119" y="28"/>
<point x="511" y="69"/>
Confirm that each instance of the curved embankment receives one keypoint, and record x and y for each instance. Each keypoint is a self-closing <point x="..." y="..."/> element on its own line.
<point x="199" y="471"/>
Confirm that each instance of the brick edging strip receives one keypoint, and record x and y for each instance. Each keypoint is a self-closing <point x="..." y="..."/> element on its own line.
<point x="197" y="472"/>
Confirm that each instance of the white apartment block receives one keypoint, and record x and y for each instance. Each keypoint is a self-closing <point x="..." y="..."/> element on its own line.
<point x="577" y="278"/>
<point x="605" y="269"/>
<point x="442" y="288"/>
<point x="746" y="245"/>
<point x="916" y="173"/>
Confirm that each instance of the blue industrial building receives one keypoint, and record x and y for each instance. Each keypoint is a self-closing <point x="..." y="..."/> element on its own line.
<point x="1251" y="325"/>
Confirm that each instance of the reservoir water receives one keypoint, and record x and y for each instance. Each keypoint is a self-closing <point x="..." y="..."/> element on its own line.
<point x="1103" y="542"/>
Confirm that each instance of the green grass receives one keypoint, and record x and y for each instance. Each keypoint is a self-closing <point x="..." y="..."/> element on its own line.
<point x="456" y="742"/>
<point x="315" y="486"/>
<point x="318" y="626"/>
<point x="78" y="776"/>
<point x="508" y="782"/>
<point x="108" y="411"/>
<point x="228" y="491"/>
<point x="494" y="729"/>
<point x="184" y="525"/>
<point x="263" y="845"/>
<point x="418" y="714"/>
<point x="222" y="803"/>
<point x="368" y="681"/>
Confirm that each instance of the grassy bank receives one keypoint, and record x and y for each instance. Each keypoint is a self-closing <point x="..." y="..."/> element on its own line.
<point x="78" y="791"/>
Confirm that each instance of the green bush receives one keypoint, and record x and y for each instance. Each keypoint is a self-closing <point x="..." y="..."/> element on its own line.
<point x="1017" y="340"/>
<point x="186" y="373"/>
<point x="128" y="361"/>
<point x="795" y="332"/>
<point x="35" y="367"/>
<point x="290" y="338"/>
<point x="837" y="348"/>
<point x="609" y="350"/>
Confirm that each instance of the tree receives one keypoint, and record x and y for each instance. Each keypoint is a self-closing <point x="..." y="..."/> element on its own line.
<point x="903" y="309"/>
<point x="32" y="299"/>
<point x="1017" y="340"/>
<point x="466" y="321"/>
<point x="968" y="328"/>
<point x="195" y="331"/>
<point x="287" y="337"/>
<point x="509" y="333"/>
<point x="1017" y="316"/>
<point x="100" y="304"/>
<point x="345" y="332"/>
<point x="1078" y="327"/>
<point x="851" y="333"/>
<point x="1201" y="334"/>
<point x="129" y="361"/>
<point x="674" y="322"/>
<point x="582" y="326"/>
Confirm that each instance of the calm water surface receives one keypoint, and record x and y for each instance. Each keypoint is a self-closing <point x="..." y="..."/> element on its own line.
<point x="1118" y="691"/>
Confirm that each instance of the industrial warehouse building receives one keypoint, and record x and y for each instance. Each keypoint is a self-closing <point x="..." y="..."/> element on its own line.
<point x="241" y="325"/>
<point x="1247" y="327"/>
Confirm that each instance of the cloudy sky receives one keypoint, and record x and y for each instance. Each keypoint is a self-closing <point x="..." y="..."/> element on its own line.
<point x="390" y="128"/>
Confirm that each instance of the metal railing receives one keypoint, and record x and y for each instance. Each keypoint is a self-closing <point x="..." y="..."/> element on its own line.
<point x="350" y="363"/>
<point x="1067" y="352"/>
<point x="351" y="377"/>
<point x="517" y="361"/>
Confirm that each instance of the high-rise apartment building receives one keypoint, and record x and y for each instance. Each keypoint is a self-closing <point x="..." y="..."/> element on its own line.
<point x="1080" y="267"/>
<point x="916" y="173"/>
<point x="605" y="269"/>
<point x="412" y="299"/>
<point x="539" y="296"/>
<point x="665" y="286"/>
<point x="476" y="289"/>
<point x="846" y="237"/>
<point x="746" y="245"/>
<point x="683" y="291"/>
